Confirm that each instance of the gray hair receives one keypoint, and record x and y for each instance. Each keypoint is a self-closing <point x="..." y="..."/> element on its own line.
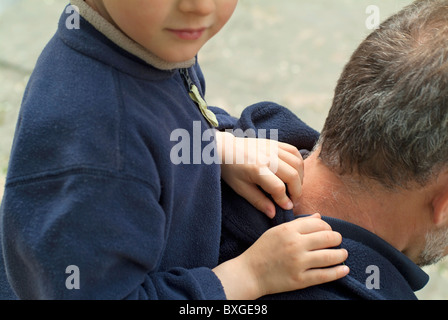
<point x="389" y="118"/>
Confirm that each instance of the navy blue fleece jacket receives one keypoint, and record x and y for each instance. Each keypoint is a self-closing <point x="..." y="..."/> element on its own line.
<point x="377" y="270"/>
<point x="91" y="182"/>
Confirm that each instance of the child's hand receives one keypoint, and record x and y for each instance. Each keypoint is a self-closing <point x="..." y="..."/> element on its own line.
<point x="288" y="257"/>
<point x="248" y="163"/>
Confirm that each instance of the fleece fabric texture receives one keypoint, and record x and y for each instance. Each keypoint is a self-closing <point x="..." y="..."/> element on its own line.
<point x="378" y="271"/>
<point x="91" y="183"/>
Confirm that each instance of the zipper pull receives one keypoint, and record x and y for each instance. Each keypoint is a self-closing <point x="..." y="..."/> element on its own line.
<point x="197" y="98"/>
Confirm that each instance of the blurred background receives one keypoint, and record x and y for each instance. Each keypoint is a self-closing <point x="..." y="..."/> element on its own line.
<point x="288" y="51"/>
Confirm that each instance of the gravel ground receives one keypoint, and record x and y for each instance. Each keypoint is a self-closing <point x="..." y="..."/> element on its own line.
<point x="287" y="51"/>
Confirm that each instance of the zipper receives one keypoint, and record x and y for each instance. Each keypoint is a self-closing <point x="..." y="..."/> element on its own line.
<point x="194" y="94"/>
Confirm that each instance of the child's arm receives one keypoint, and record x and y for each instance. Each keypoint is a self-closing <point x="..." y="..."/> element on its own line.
<point x="247" y="163"/>
<point x="288" y="257"/>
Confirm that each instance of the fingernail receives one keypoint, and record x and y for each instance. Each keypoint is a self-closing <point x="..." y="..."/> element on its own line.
<point x="289" y="205"/>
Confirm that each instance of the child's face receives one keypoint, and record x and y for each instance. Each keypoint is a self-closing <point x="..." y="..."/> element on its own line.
<point x="173" y="30"/>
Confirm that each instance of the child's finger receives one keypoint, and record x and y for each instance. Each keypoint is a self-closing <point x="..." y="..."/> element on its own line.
<point x="273" y="185"/>
<point x="326" y="258"/>
<point x="309" y="225"/>
<point x="257" y="198"/>
<point x="292" y="156"/>
<point x="319" y="276"/>
<point x="294" y="159"/>
<point x="290" y="148"/>
<point x="290" y="171"/>
<point x="322" y="239"/>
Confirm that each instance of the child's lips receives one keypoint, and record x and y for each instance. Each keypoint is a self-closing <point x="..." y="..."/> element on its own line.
<point x="188" y="34"/>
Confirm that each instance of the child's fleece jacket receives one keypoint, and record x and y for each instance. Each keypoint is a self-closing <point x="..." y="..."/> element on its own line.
<point x="92" y="193"/>
<point x="377" y="270"/>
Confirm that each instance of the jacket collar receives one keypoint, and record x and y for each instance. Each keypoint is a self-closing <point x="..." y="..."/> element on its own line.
<point x="413" y="274"/>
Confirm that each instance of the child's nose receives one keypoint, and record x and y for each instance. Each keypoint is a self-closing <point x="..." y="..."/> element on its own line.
<point x="199" y="7"/>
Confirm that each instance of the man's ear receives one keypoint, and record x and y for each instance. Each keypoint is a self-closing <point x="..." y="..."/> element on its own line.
<point x="440" y="202"/>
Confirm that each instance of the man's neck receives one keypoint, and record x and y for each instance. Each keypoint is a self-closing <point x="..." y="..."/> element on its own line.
<point x="387" y="214"/>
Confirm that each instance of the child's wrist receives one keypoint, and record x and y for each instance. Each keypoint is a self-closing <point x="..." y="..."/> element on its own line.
<point x="238" y="280"/>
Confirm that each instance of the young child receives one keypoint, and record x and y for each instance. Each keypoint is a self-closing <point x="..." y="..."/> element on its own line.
<point x="94" y="207"/>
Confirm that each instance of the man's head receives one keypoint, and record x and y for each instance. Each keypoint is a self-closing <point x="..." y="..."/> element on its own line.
<point x="388" y="124"/>
<point x="389" y="119"/>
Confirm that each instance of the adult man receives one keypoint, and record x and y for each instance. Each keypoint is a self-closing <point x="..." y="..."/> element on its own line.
<point x="379" y="172"/>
